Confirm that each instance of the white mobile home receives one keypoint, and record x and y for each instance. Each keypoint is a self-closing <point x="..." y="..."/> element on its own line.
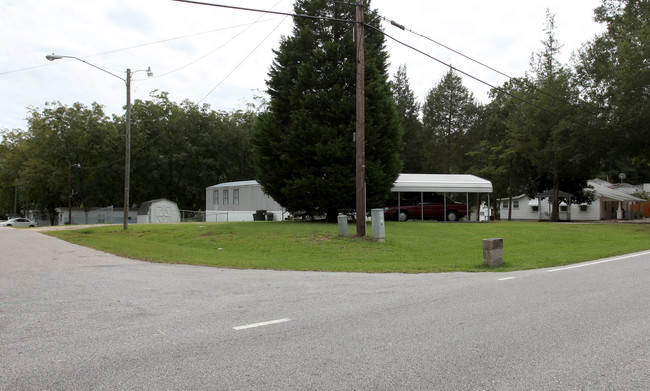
<point x="239" y="201"/>
<point x="608" y="204"/>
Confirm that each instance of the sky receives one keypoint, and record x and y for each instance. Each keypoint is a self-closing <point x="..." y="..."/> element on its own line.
<point x="222" y="56"/>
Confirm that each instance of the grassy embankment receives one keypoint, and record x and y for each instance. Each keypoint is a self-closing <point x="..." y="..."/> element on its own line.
<point x="411" y="247"/>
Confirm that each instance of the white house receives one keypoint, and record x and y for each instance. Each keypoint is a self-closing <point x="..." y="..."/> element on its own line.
<point x="239" y="201"/>
<point x="608" y="204"/>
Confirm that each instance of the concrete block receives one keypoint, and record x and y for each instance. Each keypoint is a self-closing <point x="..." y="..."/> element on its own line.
<point x="493" y="252"/>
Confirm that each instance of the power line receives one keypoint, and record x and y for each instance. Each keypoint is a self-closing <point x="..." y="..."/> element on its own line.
<point x="241" y="62"/>
<point x="226" y="43"/>
<point x="563" y="100"/>
<point x="474" y="77"/>
<point x="142" y="45"/>
<point x="268" y="11"/>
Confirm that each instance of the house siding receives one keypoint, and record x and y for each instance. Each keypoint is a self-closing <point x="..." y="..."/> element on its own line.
<point x="251" y="198"/>
<point x="526" y="212"/>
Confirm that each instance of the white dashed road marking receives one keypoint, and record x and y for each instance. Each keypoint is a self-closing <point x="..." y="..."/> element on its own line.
<point x="270" y="322"/>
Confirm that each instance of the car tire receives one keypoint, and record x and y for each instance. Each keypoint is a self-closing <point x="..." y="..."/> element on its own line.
<point x="402" y="216"/>
<point x="452" y="216"/>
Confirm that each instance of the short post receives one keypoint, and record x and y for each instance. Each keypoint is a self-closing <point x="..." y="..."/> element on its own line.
<point x="493" y="252"/>
<point x="378" y="228"/>
<point x="343" y="224"/>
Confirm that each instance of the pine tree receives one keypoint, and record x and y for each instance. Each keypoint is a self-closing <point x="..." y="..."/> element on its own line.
<point x="448" y="114"/>
<point x="554" y="133"/>
<point x="408" y="110"/>
<point x="303" y="145"/>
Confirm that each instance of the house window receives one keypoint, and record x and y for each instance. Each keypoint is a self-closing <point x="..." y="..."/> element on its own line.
<point x="235" y="197"/>
<point x="583" y="208"/>
<point x="505" y="205"/>
<point x="225" y="197"/>
<point x="563" y="208"/>
<point x="215" y="197"/>
<point x="515" y="204"/>
<point x="535" y="208"/>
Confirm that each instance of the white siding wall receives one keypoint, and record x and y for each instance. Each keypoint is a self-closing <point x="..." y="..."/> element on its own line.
<point x="525" y="211"/>
<point x="251" y="199"/>
<point x="522" y="212"/>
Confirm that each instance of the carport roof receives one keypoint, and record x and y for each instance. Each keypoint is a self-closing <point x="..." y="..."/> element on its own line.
<point x="441" y="183"/>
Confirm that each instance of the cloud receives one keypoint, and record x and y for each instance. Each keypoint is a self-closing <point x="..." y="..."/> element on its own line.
<point x="120" y="34"/>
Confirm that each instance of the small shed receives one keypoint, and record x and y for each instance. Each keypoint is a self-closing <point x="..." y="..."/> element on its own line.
<point x="442" y="184"/>
<point x="159" y="211"/>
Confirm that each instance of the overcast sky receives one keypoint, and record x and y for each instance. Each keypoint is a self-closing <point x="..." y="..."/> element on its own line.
<point x="221" y="57"/>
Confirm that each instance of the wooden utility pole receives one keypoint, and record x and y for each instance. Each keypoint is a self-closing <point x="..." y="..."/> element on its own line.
<point x="361" y="125"/>
<point x="127" y="151"/>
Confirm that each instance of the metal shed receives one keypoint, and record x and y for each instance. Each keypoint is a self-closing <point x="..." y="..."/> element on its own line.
<point x="159" y="211"/>
<point x="442" y="183"/>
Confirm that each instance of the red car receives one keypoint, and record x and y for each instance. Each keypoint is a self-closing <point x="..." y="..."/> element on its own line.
<point x="433" y="207"/>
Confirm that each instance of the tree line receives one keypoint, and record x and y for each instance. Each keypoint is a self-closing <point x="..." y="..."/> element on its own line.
<point x="177" y="150"/>
<point x="554" y="128"/>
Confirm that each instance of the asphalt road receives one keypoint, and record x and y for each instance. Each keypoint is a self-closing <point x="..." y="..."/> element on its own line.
<point x="78" y="319"/>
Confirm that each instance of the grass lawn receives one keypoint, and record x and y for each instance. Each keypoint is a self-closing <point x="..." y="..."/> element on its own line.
<point x="411" y="247"/>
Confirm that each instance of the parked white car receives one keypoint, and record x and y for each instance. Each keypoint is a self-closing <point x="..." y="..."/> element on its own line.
<point x="18" y="222"/>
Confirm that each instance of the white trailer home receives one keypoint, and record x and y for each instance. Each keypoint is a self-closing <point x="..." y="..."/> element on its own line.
<point x="608" y="204"/>
<point x="240" y="201"/>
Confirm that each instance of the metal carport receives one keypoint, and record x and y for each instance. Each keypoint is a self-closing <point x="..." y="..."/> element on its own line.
<point x="442" y="183"/>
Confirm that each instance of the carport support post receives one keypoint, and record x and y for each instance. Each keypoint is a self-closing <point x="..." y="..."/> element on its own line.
<point x="489" y="207"/>
<point x="444" y="202"/>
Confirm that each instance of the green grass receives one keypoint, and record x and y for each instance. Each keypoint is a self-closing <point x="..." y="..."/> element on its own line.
<point x="411" y="247"/>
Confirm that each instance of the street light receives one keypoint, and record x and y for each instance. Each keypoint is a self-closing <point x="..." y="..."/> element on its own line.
<point x="70" y="191"/>
<point x="127" y="153"/>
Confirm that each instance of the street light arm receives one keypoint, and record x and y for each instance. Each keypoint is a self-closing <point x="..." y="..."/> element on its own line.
<point x="52" y="57"/>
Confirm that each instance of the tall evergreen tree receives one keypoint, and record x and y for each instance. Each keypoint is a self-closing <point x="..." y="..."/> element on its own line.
<point x="555" y="135"/>
<point x="496" y="157"/>
<point x="408" y="110"/>
<point x="614" y="70"/>
<point x="303" y="144"/>
<point x="448" y="114"/>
